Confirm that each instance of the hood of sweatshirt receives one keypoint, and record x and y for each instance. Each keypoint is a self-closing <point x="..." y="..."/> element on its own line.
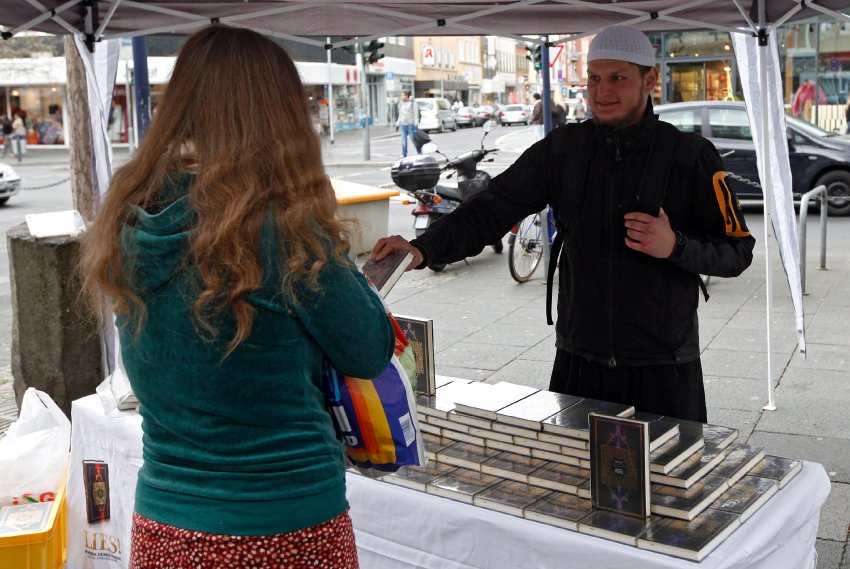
<point x="155" y="241"/>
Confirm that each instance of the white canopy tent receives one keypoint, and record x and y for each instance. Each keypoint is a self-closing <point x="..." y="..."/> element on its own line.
<point x="751" y="23"/>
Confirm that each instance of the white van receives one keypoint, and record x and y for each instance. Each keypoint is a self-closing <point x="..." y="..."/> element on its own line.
<point x="435" y="113"/>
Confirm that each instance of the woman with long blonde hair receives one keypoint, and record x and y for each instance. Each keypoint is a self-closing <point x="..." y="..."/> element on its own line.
<point x="218" y="247"/>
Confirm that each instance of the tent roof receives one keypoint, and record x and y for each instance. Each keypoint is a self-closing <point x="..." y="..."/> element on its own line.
<point x="312" y="20"/>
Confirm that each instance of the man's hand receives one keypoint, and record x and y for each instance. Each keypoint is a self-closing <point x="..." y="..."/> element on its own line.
<point x="387" y="245"/>
<point x="650" y="235"/>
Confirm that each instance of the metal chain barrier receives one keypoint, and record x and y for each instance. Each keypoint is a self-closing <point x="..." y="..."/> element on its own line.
<point x="742" y="179"/>
<point x="50" y="185"/>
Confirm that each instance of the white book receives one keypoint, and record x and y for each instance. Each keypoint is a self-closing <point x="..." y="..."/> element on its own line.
<point x="488" y="399"/>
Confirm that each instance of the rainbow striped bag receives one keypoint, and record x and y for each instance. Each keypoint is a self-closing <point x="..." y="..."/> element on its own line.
<point x="376" y="418"/>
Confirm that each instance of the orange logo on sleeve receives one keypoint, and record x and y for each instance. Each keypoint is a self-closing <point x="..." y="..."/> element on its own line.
<point x="728" y="204"/>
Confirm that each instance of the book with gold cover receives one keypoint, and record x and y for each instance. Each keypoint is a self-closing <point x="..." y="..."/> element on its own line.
<point x="461" y="484"/>
<point x="434" y="444"/>
<point x="420" y="333"/>
<point x="559" y="509"/>
<point x="562" y="477"/>
<point x="746" y="496"/>
<point x="532" y="410"/>
<point x="688" y="539"/>
<point x="509" y="497"/>
<point x="29" y="517"/>
<point x="487" y="399"/>
<point x="660" y="431"/>
<point x="777" y="468"/>
<point x="387" y="272"/>
<point x="443" y="401"/>
<point x="739" y="460"/>
<point x="714" y="436"/>
<point x="573" y="422"/>
<point x="466" y="455"/>
<point x="417" y="477"/>
<point x="675" y="451"/>
<point x="511" y="466"/>
<point x="693" y="469"/>
<point x="616" y="527"/>
<point x="619" y="465"/>
<point x="686" y="504"/>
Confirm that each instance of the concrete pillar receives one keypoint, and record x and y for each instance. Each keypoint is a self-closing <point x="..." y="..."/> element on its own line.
<point x="79" y="132"/>
<point x="56" y="345"/>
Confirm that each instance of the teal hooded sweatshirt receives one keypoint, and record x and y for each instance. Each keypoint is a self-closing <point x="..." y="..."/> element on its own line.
<point x="242" y="445"/>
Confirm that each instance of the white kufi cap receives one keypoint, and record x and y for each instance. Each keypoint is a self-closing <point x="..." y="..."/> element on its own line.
<point x="624" y="44"/>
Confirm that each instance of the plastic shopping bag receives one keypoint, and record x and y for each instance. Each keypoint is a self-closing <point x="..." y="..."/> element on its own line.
<point x="34" y="452"/>
<point x="376" y="418"/>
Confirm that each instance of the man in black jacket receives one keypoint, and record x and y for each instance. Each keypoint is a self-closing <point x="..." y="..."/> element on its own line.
<point x="643" y="210"/>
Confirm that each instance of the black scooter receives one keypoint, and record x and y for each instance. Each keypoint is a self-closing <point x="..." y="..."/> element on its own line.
<point x="419" y="176"/>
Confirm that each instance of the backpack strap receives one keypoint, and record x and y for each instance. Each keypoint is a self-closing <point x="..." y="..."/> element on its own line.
<point x="653" y="187"/>
<point x="576" y="159"/>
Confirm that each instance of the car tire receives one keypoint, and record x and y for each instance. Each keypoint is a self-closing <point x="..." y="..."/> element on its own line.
<point x="837" y="185"/>
<point x="3" y="201"/>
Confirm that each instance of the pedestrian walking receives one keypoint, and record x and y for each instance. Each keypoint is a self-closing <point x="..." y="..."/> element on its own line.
<point x="19" y="136"/>
<point x="408" y="118"/>
<point x="537" y="117"/>
<point x="7" y="136"/>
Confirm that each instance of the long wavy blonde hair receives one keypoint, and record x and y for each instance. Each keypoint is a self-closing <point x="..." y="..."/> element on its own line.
<point x="236" y="99"/>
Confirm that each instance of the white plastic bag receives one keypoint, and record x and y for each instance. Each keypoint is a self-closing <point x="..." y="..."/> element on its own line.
<point x="34" y="452"/>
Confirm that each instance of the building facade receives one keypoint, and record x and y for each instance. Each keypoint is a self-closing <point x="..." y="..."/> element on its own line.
<point x="694" y="65"/>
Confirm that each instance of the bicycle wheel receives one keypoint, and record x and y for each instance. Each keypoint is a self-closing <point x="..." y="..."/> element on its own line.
<point x="526" y="249"/>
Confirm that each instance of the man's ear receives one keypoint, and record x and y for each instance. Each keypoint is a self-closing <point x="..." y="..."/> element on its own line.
<point x="650" y="80"/>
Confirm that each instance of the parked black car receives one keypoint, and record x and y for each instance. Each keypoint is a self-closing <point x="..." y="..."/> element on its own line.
<point x="817" y="157"/>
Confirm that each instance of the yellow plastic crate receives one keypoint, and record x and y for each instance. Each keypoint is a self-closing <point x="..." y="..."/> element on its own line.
<point x="40" y="549"/>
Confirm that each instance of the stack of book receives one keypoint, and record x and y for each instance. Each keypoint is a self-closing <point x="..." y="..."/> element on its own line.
<point x="525" y="452"/>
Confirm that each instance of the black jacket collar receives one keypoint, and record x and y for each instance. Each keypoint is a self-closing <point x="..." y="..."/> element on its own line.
<point x="636" y="136"/>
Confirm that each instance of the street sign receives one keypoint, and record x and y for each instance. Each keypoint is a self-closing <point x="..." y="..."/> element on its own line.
<point x="389" y="76"/>
<point x="554" y="54"/>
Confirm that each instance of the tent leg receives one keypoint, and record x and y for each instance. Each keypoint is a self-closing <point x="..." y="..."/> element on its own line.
<point x="766" y="185"/>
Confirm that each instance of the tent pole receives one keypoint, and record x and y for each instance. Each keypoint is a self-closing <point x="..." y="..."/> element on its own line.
<point x="547" y="127"/>
<point x="766" y="191"/>
<point x="330" y="97"/>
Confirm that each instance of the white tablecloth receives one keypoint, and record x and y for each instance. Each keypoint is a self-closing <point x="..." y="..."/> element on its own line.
<point x="401" y="528"/>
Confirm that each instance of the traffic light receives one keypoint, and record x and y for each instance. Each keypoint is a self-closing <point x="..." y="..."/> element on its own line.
<point x="372" y="51"/>
<point x="536" y="56"/>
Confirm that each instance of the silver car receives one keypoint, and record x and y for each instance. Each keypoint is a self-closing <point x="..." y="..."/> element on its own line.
<point x="435" y="113"/>
<point x="10" y="183"/>
<point x="514" y="114"/>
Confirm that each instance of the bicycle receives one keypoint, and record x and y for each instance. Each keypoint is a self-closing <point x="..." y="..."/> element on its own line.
<point x="525" y="245"/>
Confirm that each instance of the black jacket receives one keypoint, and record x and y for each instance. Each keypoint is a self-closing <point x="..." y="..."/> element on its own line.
<point x="615" y="305"/>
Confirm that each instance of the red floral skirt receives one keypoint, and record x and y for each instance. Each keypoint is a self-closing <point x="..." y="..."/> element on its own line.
<point x="327" y="545"/>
